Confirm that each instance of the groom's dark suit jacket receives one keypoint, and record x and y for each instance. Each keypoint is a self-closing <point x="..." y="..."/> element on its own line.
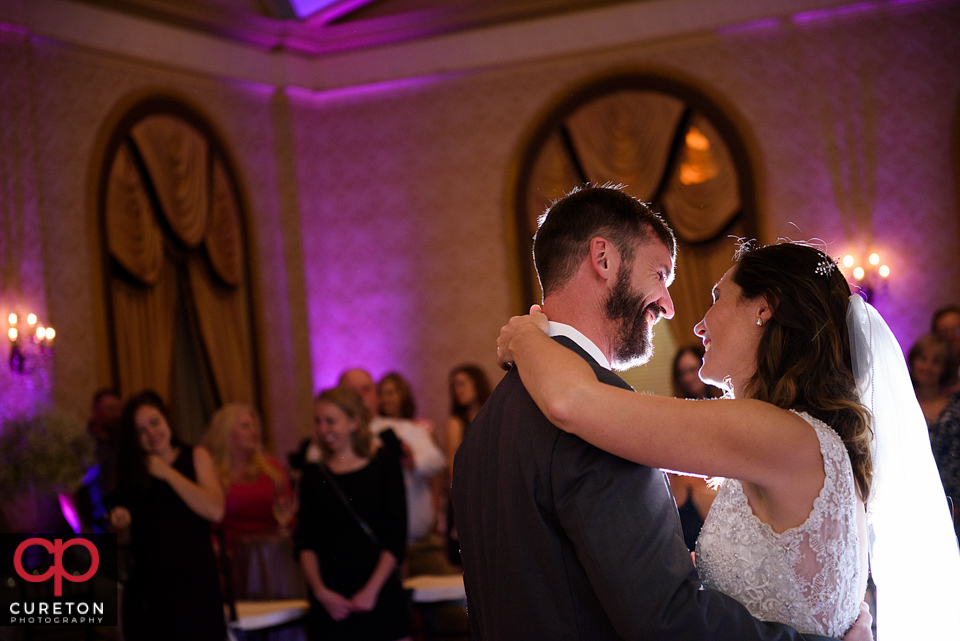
<point x="560" y="540"/>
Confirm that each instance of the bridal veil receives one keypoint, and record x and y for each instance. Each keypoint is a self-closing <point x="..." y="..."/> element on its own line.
<point x="914" y="557"/>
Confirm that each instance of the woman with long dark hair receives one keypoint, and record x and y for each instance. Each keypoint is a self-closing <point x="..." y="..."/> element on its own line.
<point x="469" y="390"/>
<point x="820" y="417"/>
<point x="167" y="494"/>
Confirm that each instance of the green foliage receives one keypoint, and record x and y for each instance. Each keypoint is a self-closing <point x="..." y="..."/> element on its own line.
<point x="48" y="450"/>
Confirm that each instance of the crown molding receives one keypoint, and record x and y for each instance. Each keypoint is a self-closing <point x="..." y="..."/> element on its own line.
<point x="284" y="53"/>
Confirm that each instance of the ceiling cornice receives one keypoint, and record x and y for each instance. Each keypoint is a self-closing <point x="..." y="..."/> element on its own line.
<point x="283" y="53"/>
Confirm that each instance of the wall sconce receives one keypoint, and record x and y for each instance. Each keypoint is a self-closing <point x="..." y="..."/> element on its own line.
<point x="870" y="277"/>
<point x="28" y="340"/>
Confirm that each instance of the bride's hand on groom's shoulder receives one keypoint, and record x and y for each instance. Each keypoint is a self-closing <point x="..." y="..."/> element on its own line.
<point x="536" y="320"/>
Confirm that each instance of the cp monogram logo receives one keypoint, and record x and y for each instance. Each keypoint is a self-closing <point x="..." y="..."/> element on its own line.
<point x="56" y="570"/>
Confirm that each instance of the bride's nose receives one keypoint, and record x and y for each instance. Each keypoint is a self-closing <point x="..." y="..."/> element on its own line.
<point x="700" y="329"/>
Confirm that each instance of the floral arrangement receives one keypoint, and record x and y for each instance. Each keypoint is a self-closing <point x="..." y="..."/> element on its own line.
<point x="48" y="450"/>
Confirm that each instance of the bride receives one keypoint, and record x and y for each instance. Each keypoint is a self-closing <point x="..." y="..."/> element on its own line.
<point x="812" y="370"/>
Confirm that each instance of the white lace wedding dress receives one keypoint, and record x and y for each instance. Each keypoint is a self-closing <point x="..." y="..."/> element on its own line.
<point x="809" y="577"/>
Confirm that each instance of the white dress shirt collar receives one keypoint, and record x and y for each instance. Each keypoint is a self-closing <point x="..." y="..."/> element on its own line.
<point x="587" y="345"/>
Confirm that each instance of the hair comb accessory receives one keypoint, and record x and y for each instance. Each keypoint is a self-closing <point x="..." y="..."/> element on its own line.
<point x="826" y="266"/>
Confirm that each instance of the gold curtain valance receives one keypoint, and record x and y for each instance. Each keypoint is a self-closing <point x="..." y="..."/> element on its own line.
<point x="175" y="155"/>
<point x="223" y="239"/>
<point x="702" y="195"/>
<point x="199" y="208"/>
<point x="624" y="138"/>
<point x="133" y="235"/>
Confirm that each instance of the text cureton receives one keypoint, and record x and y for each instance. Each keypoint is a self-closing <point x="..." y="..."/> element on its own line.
<point x="56" y="608"/>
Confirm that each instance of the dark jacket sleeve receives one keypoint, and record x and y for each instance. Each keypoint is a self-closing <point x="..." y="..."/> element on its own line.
<point x="621" y="522"/>
<point x="392" y="529"/>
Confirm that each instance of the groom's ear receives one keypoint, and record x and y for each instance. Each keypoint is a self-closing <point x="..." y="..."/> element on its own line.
<point x="604" y="258"/>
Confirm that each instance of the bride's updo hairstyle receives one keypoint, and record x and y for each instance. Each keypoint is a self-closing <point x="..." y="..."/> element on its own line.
<point x="803" y="360"/>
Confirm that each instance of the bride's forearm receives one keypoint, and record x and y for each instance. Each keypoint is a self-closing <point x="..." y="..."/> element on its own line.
<point x="554" y="376"/>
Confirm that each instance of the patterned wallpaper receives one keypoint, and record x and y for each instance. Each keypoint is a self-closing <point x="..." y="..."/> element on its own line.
<point x="386" y="247"/>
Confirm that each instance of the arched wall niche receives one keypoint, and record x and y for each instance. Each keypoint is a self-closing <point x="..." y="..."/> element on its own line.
<point x="680" y="103"/>
<point x="156" y="152"/>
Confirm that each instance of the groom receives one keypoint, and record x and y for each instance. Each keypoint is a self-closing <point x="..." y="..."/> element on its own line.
<point x="560" y="540"/>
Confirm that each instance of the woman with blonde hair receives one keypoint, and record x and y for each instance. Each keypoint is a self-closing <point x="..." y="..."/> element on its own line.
<point x="257" y="490"/>
<point x="352" y="529"/>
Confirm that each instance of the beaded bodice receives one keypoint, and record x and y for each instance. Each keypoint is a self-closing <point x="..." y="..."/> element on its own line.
<point x="809" y="577"/>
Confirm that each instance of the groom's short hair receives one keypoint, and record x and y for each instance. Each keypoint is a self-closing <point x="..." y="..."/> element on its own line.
<point x="564" y="231"/>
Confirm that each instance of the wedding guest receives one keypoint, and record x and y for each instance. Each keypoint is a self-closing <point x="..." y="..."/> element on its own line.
<point x="421" y="460"/>
<point x="946" y="323"/>
<point x="352" y="527"/>
<point x="168" y="494"/>
<point x="258" y="496"/>
<point x="931" y="367"/>
<point x="945" y="443"/>
<point x="425" y="547"/>
<point x="686" y="374"/>
<point x="692" y="493"/>
<point x="396" y="399"/>
<point x="99" y="481"/>
<point x="469" y="390"/>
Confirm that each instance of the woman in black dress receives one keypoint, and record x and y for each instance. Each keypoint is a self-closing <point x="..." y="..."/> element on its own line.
<point x="352" y="528"/>
<point x="167" y="494"/>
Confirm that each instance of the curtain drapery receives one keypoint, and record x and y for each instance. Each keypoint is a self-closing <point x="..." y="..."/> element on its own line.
<point x="223" y="239"/>
<point x="143" y="319"/>
<point x="625" y="138"/>
<point x="225" y="334"/>
<point x="175" y="155"/>
<point x="133" y="235"/>
<point x="165" y="171"/>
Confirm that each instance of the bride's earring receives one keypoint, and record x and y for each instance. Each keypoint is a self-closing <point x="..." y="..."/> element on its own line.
<point x="759" y="321"/>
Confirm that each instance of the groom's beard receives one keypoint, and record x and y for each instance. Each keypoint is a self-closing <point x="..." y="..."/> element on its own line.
<point x="633" y="341"/>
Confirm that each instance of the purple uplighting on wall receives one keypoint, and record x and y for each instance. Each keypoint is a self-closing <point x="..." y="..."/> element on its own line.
<point x="836" y="12"/>
<point x="323" y="96"/>
<point x="6" y="27"/>
<point x="749" y="27"/>
<point x="844" y="11"/>
<point x="369" y="333"/>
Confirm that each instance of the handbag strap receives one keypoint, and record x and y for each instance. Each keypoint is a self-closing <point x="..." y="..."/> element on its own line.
<point x="346" y="503"/>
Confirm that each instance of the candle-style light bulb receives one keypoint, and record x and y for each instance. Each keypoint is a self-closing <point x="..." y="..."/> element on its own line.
<point x="858" y="273"/>
<point x="884" y="271"/>
<point x="12" y="319"/>
<point x="848" y="261"/>
<point x="50" y="333"/>
<point x="12" y="333"/>
<point x="31" y="319"/>
<point x="874" y="259"/>
<point x="41" y="332"/>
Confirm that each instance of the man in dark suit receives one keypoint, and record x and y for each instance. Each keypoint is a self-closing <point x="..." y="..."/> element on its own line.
<point x="560" y="540"/>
